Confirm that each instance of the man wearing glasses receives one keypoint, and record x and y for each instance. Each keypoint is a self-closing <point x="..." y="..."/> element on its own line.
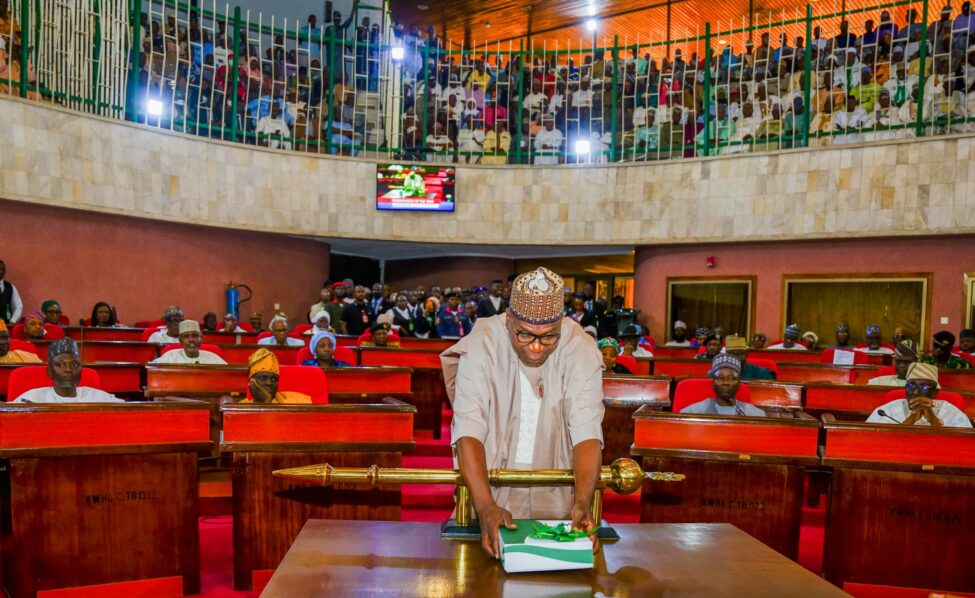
<point x="526" y="389"/>
<point x="920" y="406"/>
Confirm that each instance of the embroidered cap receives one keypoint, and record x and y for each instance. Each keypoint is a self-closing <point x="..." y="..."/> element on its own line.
<point x="722" y="361"/>
<point x="906" y="350"/>
<point x="536" y="297"/>
<point x="922" y="371"/>
<point x="735" y="343"/>
<point x="62" y="345"/>
<point x="262" y="360"/>
<point x="189" y="326"/>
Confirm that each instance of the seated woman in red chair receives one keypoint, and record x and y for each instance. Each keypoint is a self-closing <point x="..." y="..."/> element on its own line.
<point x="8" y="355"/>
<point x="264" y="374"/>
<point x="322" y="348"/>
<point x="725" y="377"/>
<point x="610" y="349"/>
<point x="34" y="327"/>
<point x="190" y="352"/>
<point x="64" y="370"/>
<point x="920" y="405"/>
<point x="907" y="352"/>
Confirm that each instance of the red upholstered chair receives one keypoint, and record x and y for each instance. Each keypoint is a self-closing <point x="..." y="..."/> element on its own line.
<point x="627" y="361"/>
<point x="943" y="395"/>
<point x="887" y="370"/>
<point x="966" y="356"/>
<point x="203" y="347"/>
<point x="52" y="332"/>
<point x="154" y="324"/>
<point x="692" y="390"/>
<point x="304" y="379"/>
<point x="859" y="357"/>
<point x="19" y="345"/>
<point x="30" y="377"/>
<point x="303" y="354"/>
<point x="764" y="363"/>
<point x="300" y="329"/>
<point x="65" y="320"/>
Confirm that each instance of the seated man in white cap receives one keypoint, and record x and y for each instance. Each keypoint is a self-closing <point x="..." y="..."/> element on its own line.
<point x="190" y="338"/>
<point x="790" y="339"/>
<point x="527" y="392"/>
<point x="279" y="334"/>
<point x="169" y="333"/>
<point x="905" y="354"/>
<point x="64" y="370"/>
<point x="680" y="336"/>
<point x="725" y="377"/>
<point x="920" y="406"/>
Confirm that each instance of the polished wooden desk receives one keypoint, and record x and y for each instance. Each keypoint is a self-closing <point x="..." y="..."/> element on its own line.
<point x="436" y="344"/>
<point x="108" y="351"/>
<point x="268" y="511"/>
<point x="349" y="558"/>
<point x="957" y="380"/>
<point x="187" y="380"/>
<point x="785" y="355"/>
<point x="824" y="372"/>
<point x="674" y="352"/>
<point x="622" y="396"/>
<point x="747" y="471"/>
<point x="369" y="384"/>
<point x="427" y="383"/>
<point x="773" y="395"/>
<point x="902" y="506"/>
<point x="99" y="494"/>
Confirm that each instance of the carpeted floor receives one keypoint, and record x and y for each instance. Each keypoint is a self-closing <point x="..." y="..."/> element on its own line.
<point x="435" y="502"/>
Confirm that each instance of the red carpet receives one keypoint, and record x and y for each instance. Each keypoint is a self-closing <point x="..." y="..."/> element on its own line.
<point x="435" y="502"/>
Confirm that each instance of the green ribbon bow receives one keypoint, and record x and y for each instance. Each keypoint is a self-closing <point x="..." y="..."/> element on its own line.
<point x="559" y="533"/>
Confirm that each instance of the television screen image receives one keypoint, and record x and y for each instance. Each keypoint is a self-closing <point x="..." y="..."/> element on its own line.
<point x="415" y="187"/>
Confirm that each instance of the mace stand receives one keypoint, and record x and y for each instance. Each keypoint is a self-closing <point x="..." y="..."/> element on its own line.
<point x="624" y="476"/>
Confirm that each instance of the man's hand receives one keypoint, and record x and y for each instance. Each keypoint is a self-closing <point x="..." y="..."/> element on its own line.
<point x="582" y="521"/>
<point x="921" y="404"/>
<point x="490" y="519"/>
<point x="260" y="394"/>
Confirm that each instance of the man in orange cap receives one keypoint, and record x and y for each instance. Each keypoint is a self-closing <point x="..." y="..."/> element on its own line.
<point x="265" y="373"/>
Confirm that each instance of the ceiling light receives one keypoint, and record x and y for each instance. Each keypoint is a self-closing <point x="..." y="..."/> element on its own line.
<point x="591" y="25"/>
<point x="591" y="10"/>
<point x="422" y="7"/>
<point x="721" y="42"/>
<point x="582" y="147"/>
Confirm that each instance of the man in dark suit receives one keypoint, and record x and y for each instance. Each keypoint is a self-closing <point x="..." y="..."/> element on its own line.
<point x="493" y="304"/>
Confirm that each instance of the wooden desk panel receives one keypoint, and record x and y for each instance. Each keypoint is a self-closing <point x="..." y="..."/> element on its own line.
<point x="369" y="380"/>
<point x="433" y="344"/>
<point x="844" y="400"/>
<point x="622" y="397"/>
<point x="815" y="372"/>
<point x="270" y="511"/>
<point x="677" y="368"/>
<point x="230" y="338"/>
<point x="786" y="356"/>
<point x="958" y="380"/>
<point x="89" y="333"/>
<point x="340" y="558"/>
<point x="165" y="380"/>
<point x="118" y="378"/>
<point x="674" y="352"/>
<point x="99" y="494"/>
<point x="239" y="354"/>
<point x="108" y="351"/>
<point x="429" y="389"/>
<point x="776" y="395"/>
<point x="746" y="471"/>
<point x="901" y="511"/>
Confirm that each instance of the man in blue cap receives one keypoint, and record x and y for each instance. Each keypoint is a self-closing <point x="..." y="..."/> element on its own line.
<point x="725" y="377"/>
<point x="790" y="339"/>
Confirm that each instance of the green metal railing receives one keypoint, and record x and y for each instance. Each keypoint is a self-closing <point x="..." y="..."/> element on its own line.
<point x="227" y="73"/>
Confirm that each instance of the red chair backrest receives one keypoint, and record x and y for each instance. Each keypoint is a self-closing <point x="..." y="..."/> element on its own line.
<point x="887" y="370"/>
<point x="154" y="324"/>
<point x="304" y="379"/>
<point x="303" y="354"/>
<point x="859" y="357"/>
<point x="52" y="332"/>
<point x="246" y="326"/>
<point x="943" y="395"/>
<point x="764" y="363"/>
<point x="203" y="347"/>
<point x="300" y="329"/>
<point x="29" y="377"/>
<point x="19" y="345"/>
<point x="692" y="390"/>
<point x="627" y="361"/>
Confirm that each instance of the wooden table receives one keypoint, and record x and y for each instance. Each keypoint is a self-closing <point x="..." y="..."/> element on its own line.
<point x="345" y="558"/>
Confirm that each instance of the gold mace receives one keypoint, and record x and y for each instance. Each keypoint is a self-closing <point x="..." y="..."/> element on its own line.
<point x="624" y="476"/>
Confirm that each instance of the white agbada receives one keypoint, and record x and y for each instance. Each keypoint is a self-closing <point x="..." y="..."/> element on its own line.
<point x="162" y="338"/>
<point x="549" y="142"/>
<point x="270" y="340"/>
<point x="782" y="347"/>
<point x="180" y="356"/>
<point x="891" y="380"/>
<point x="900" y="409"/>
<point x="85" y="394"/>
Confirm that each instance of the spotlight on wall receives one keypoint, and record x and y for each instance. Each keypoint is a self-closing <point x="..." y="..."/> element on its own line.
<point x="398" y="53"/>
<point x="591" y="24"/>
<point x="582" y="147"/>
<point x="154" y="108"/>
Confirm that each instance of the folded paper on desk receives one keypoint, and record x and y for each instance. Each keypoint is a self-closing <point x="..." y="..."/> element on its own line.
<point x="531" y="548"/>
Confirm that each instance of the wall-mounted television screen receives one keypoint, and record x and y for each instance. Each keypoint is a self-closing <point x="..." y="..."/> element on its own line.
<point x="415" y="187"/>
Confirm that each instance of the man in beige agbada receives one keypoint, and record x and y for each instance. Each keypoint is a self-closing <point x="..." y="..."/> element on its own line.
<point x="526" y="389"/>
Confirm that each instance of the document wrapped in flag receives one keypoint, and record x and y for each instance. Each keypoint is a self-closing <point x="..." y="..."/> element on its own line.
<point x="545" y="546"/>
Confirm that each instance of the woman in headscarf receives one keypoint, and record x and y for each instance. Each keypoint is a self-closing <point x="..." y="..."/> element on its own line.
<point x="52" y="312"/>
<point x="610" y="349"/>
<point x="322" y="323"/>
<point x="322" y="347"/>
<point x="34" y="326"/>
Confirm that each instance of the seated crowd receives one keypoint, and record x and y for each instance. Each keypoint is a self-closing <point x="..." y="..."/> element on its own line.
<point x="318" y="90"/>
<point x="379" y="316"/>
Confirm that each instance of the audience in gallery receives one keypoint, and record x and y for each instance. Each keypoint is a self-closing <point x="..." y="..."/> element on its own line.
<point x="310" y="93"/>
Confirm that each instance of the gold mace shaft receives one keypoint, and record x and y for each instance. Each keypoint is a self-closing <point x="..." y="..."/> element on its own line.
<point x="624" y="476"/>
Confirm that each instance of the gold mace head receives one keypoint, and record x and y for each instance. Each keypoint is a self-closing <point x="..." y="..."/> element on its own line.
<point x="626" y="475"/>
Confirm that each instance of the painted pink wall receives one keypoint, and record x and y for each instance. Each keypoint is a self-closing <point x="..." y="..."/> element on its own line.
<point x="447" y="271"/>
<point x="947" y="258"/>
<point x="141" y="266"/>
